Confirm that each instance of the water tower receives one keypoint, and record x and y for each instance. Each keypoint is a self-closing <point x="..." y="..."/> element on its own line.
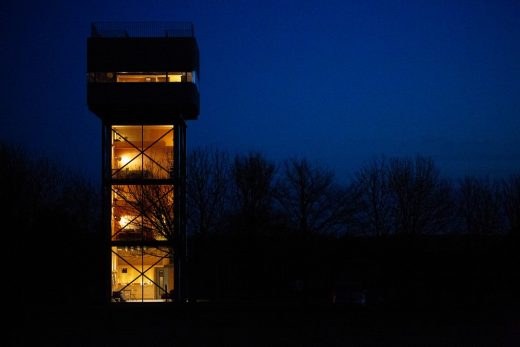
<point x="142" y="84"/>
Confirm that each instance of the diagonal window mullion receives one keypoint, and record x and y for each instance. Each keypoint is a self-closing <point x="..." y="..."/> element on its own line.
<point x="130" y="143"/>
<point x="134" y="205"/>
<point x="137" y="207"/>
<point x="129" y="283"/>
<point x="151" y="266"/>
<point x="153" y="203"/>
<point x="127" y="224"/>
<point x="133" y="267"/>
<point x="159" y="139"/>
<point x="127" y="164"/>
<point x="162" y="167"/>
<point x="153" y="144"/>
<point x="159" y="217"/>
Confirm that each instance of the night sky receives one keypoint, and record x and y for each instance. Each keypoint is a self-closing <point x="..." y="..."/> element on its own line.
<point x="338" y="82"/>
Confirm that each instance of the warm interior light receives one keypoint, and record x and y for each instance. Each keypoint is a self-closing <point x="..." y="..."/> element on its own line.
<point x="125" y="159"/>
<point x="125" y="220"/>
<point x="175" y="78"/>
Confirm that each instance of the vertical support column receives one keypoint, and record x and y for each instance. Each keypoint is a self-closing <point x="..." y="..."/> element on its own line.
<point x="180" y="210"/>
<point x="106" y="214"/>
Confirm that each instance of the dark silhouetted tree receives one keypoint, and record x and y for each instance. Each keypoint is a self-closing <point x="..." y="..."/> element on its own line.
<point x="308" y="196"/>
<point x="421" y="199"/>
<point x="372" y="186"/>
<point x="51" y="212"/>
<point x="511" y="201"/>
<point x="253" y="187"/>
<point x="208" y="189"/>
<point x="479" y="206"/>
<point x="151" y="206"/>
<point x="81" y="199"/>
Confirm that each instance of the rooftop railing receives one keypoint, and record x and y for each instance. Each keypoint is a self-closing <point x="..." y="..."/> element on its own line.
<point x="142" y="29"/>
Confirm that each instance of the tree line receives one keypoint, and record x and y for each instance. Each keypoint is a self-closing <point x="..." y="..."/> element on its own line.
<point x="399" y="229"/>
<point x="50" y="224"/>
<point x="387" y="196"/>
<point x="264" y="230"/>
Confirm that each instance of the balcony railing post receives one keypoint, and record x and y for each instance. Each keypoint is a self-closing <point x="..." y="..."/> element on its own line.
<point x="142" y="29"/>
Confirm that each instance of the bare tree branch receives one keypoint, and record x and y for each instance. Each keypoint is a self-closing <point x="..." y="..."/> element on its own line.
<point x="208" y="189"/>
<point x="308" y="196"/>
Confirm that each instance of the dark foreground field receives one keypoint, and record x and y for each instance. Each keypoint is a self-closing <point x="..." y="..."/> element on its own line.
<point x="267" y="324"/>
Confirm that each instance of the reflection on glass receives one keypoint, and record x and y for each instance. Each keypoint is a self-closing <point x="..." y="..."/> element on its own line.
<point x="142" y="212"/>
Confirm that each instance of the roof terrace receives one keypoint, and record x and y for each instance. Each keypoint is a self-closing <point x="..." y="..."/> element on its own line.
<point x="141" y="29"/>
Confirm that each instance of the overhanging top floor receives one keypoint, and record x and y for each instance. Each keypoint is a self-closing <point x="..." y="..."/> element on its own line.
<point x="124" y="57"/>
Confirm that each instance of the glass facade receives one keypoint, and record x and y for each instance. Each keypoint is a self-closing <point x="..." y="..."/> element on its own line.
<point x="142" y="195"/>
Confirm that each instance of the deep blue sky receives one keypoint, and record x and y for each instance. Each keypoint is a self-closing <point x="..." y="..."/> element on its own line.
<point x="334" y="81"/>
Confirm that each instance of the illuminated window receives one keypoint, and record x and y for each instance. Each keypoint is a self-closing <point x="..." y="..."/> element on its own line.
<point x="141" y="273"/>
<point x="142" y="212"/>
<point x="142" y="151"/>
<point x="142" y="77"/>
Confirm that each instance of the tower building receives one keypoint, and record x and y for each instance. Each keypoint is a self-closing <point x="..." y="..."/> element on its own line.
<point x="142" y="83"/>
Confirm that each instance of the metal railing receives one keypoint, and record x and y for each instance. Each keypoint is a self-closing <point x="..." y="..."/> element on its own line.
<point x="142" y="29"/>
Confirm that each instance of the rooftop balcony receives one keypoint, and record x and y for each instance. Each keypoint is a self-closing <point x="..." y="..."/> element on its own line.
<point x="141" y="29"/>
